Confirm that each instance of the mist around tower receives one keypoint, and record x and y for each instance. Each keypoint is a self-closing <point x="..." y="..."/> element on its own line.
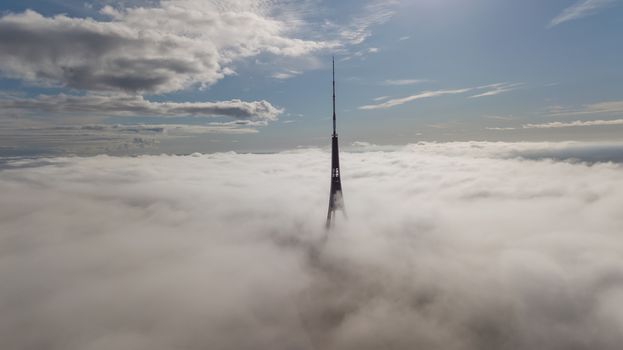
<point x="457" y="259"/>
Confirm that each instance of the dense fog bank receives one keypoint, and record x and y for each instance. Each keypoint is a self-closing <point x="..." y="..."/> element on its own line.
<point x="446" y="246"/>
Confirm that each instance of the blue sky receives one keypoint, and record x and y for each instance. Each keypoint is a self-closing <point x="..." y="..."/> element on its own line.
<point x="255" y="75"/>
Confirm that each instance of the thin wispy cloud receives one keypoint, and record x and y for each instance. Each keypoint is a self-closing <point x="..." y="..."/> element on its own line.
<point x="399" y="82"/>
<point x="492" y="89"/>
<point x="426" y="94"/>
<point x="133" y="105"/>
<point x="496" y="128"/>
<point x="605" y="107"/>
<point x="496" y="89"/>
<point x="499" y="117"/>
<point x="114" y="139"/>
<point x="361" y="54"/>
<point x="557" y="125"/>
<point x="286" y="74"/>
<point x="153" y="129"/>
<point x="359" y="28"/>
<point x="554" y="125"/>
<point x="580" y="9"/>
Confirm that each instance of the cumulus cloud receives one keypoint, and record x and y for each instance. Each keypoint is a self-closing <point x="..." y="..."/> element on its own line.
<point x="132" y="105"/>
<point x="106" y="65"/>
<point x="144" y="49"/>
<point x="581" y="8"/>
<point x="172" y="44"/>
<point x="447" y="246"/>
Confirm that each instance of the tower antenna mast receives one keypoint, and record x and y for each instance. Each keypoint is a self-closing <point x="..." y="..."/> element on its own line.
<point x="334" y="128"/>
<point x="336" y="199"/>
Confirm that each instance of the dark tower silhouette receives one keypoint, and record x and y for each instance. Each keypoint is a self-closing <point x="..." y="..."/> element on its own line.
<point x="336" y="200"/>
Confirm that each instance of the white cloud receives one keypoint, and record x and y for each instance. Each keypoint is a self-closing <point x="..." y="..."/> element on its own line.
<point x="286" y="74"/>
<point x="493" y="89"/>
<point x="155" y="129"/>
<point x="499" y="117"/>
<point x="133" y="105"/>
<point x="496" y="89"/>
<point x="500" y="128"/>
<point x="556" y="125"/>
<point x="573" y="124"/>
<point x="154" y="47"/>
<point x="144" y="49"/>
<point x="69" y="122"/>
<point x="606" y="107"/>
<point x="447" y="246"/>
<point x="581" y="8"/>
<point x="426" y="94"/>
<point x="362" y="54"/>
<point x="92" y="139"/>
<point x="404" y="81"/>
<point x="375" y="13"/>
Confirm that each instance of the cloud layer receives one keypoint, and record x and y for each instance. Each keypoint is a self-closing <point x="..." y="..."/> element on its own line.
<point x="447" y="246"/>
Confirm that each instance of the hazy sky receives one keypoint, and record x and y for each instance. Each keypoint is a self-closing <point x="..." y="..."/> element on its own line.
<point x="254" y="75"/>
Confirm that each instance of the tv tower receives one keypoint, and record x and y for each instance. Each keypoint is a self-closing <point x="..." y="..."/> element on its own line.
<point x="336" y="199"/>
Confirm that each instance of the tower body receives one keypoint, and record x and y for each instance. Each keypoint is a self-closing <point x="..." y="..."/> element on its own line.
<point x="336" y="199"/>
